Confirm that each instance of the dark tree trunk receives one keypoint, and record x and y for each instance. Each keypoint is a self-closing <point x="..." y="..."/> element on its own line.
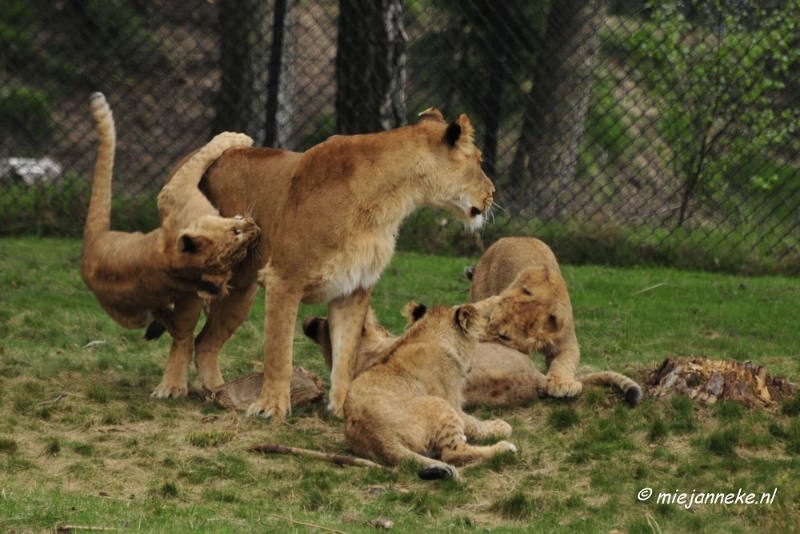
<point x="544" y="165"/>
<point x="494" y="96"/>
<point x="370" y="66"/>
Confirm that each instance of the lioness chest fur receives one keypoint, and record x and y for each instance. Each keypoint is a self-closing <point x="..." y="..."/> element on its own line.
<point x="329" y="218"/>
<point x="408" y="405"/>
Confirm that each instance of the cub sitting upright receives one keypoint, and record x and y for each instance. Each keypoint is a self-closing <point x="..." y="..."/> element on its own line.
<point x="137" y="277"/>
<point x="408" y="405"/>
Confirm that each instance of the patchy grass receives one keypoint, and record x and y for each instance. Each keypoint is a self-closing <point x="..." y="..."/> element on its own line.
<point x="106" y="454"/>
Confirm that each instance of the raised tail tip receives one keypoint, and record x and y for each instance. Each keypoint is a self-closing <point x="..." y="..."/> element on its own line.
<point x="97" y="99"/>
<point x="633" y="395"/>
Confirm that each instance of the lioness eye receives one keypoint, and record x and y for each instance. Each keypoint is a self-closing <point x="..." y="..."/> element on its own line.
<point x="236" y="231"/>
<point x="503" y="337"/>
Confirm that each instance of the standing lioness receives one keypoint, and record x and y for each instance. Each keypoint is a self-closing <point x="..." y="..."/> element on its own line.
<point x="329" y="219"/>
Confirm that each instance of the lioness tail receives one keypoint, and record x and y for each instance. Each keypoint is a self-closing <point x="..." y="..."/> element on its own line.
<point x="98" y="218"/>
<point x="632" y="390"/>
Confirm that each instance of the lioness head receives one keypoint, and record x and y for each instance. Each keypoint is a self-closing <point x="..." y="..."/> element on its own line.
<point x="531" y="313"/>
<point x="461" y="186"/>
<point x="466" y="318"/>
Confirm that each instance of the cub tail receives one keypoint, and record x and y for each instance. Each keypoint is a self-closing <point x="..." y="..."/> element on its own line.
<point x="98" y="218"/>
<point x="632" y="390"/>
<point x="188" y="176"/>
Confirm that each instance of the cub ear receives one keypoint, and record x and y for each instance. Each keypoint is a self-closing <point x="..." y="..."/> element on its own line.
<point x="460" y="131"/>
<point x="431" y="114"/>
<point x="414" y="312"/>
<point x="192" y="244"/>
<point x="312" y="326"/>
<point x="466" y="317"/>
<point x="553" y="324"/>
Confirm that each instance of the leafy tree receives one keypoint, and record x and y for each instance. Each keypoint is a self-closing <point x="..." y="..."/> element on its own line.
<point x="718" y="72"/>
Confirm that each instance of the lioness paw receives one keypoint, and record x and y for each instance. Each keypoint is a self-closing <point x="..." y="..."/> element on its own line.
<point x="563" y="388"/>
<point x="336" y="404"/>
<point x="277" y="407"/>
<point x="166" y="390"/>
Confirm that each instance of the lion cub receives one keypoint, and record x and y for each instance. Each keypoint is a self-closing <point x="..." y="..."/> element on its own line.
<point x="138" y="277"/>
<point x="408" y="405"/>
<point x="518" y="286"/>
<point x="499" y="376"/>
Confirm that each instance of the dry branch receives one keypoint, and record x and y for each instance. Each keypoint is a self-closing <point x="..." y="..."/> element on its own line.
<point x="339" y="459"/>
<point x="312" y="525"/>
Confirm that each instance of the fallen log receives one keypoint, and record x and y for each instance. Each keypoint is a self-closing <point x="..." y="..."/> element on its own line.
<point x="239" y="394"/>
<point x="710" y="381"/>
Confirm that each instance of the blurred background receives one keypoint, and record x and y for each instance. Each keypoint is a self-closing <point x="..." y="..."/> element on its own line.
<point x="622" y="132"/>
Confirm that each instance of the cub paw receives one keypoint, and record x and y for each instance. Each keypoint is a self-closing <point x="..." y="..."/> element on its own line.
<point x="498" y="428"/>
<point x="277" y="407"/>
<point x="167" y="390"/>
<point x="505" y="446"/>
<point x="559" y="387"/>
<point x="438" y="472"/>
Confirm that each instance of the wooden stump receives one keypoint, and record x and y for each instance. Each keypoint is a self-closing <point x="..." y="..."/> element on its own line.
<point x="711" y="380"/>
<point x="239" y="394"/>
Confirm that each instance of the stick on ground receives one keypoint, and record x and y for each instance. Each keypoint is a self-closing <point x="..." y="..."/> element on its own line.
<point x="339" y="459"/>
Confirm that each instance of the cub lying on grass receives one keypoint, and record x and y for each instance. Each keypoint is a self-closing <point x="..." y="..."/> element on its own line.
<point x="408" y="405"/>
<point x="499" y="376"/>
<point x="518" y="286"/>
<point x="138" y="277"/>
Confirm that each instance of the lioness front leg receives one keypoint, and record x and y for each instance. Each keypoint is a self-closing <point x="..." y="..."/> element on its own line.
<point x="561" y="366"/>
<point x="346" y="319"/>
<point x="175" y="382"/>
<point x="282" y="303"/>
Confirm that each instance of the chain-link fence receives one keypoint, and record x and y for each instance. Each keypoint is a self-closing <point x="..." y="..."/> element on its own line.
<point x="619" y="132"/>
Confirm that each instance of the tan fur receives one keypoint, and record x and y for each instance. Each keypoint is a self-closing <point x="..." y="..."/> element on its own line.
<point x="408" y="405"/>
<point x="518" y="286"/>
<point x="137" y="277"/>
<point x="329" y="218"/>
<point x="499" y="376"/>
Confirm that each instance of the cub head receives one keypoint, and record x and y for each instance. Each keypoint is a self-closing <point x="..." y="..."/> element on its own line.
<point x="375" y="339"/>
<point x="460" y="186"/>
<point x="466" y="318"/>
<point x="531" y="313"/>
<point x="212" y="246"/>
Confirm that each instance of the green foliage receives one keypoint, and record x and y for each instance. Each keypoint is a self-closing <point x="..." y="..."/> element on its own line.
<point x="717" y="77"/>
<point x="25" y="111"/>
<point x="562" y="418"/>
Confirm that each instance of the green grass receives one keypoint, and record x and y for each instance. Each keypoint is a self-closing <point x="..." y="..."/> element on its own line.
<point x="108" y="455"/>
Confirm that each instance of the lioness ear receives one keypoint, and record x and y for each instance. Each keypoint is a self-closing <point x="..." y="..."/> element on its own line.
<point x="431" y="114"/>
<point x="413" y="312"/>
<point x="460" y="131"/>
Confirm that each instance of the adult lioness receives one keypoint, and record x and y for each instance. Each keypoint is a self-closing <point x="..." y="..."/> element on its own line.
<point x="499" y="376"/>
<point x="137" y="277"/>
<point x="329" y="218"/>
<point x="518" y="286"/>
<point x="408" y="405"/>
